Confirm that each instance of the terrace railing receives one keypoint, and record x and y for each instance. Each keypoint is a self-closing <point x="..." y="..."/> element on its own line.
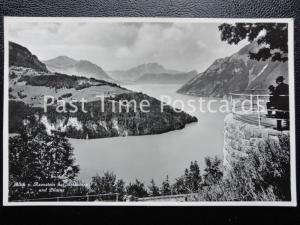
<point x="250" y="106"/>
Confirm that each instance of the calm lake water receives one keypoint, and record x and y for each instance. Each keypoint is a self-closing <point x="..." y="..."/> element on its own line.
<point x="153" y="156"/>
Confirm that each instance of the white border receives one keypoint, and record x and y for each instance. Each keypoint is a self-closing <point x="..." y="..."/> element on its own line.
<point x="8" y="20"/>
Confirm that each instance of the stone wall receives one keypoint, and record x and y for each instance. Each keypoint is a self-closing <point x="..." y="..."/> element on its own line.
<point x="240" y="138"/>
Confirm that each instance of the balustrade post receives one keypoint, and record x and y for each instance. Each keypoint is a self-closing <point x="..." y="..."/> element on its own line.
<point x="258" y="112"/>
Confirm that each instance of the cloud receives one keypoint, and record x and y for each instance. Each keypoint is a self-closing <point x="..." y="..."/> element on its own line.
<point x="181" y="46"/>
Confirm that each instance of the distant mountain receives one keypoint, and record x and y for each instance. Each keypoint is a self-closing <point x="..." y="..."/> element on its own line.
<point x="167" y="78"/>
<point x="28" y="88"/>
<point x="21" y="56"/>
<point x="65" y="64"/>
<point x="135" y="73"/>
<point x="236" y="72"/>
<point x="60" y="62"/>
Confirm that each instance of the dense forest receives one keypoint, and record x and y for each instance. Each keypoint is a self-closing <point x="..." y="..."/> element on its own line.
<point x="108" y="123"/>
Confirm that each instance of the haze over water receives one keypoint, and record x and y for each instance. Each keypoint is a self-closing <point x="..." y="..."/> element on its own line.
<point x="153" y="156"/>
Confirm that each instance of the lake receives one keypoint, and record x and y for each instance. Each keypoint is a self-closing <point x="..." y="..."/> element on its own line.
<point x="153" y="156"/>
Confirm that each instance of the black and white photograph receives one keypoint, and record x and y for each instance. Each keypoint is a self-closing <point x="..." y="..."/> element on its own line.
<point x="149" y="112"/>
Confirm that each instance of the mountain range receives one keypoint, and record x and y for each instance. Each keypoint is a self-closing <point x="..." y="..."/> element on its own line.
<point x="65" y="64"/>
<point x="166" y="78"/>
<point x="144" y="73"/>
<point x="30" y="81"/>
<point x="236" y="72"/>
<point x="137" y="72"/>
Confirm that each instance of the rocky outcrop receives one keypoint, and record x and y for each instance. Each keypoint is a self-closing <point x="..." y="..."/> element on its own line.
<point x="236" y="72"/>
<point x="21" y="56"/>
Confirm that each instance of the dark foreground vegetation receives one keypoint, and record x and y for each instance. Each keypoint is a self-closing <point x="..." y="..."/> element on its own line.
<point x="42" y="168"/>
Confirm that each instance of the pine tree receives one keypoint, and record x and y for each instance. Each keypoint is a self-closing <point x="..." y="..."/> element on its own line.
<point x="104" y="184"/>
<point x="137" y="189"/>
<point x="180" y="187"/>
<point x="120" y="189"/>
<point x="192" y="177"/>
<point x="213" y="172"/>
<point x="154" y="190"/>
<point x="108" y="184"/>
<point x="166" y="187"/>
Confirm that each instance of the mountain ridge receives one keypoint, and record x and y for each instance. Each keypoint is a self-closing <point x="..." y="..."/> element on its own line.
<point x="138" y="71"/>
<point x="21" y="56"/>
<point x="167" y="78"/>
<point x="60" y="61"/>
<point x="235" y="72"/>
<point x="68" y="65"/>
<point x="29" y="87"/>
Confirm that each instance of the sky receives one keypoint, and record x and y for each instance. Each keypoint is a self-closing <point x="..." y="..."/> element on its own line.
<point x="120" y="46"/>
